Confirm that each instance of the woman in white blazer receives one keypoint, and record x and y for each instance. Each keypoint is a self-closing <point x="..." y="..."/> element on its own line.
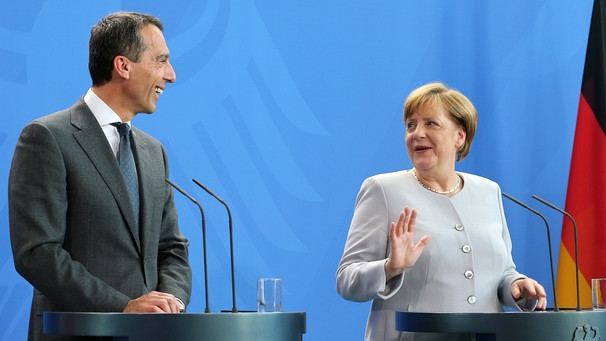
<point x="462" y="260"/>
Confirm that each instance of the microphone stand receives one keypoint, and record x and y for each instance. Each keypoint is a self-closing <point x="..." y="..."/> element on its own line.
<point x="555" y="301"/>
<point x="231" y="243"/>
<point x="207" y="308"/>
<point x="576" y="245"/>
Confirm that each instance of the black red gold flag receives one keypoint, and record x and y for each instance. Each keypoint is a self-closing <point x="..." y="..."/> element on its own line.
<point x="586" y="195"/>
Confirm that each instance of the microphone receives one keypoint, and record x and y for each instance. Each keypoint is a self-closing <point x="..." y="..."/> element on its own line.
<point x="555" y="301"/>
<point x="207" y="308"/>
<point x="231" y="243"/>
<point x="576" y="245"/>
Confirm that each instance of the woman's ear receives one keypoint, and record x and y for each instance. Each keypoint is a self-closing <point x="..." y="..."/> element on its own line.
<point x="461" y="135"/>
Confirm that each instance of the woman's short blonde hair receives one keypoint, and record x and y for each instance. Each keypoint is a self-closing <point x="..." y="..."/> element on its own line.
<point x="459" y="108"/>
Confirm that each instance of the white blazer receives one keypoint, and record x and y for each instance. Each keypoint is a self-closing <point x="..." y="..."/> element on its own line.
<point x="466" y="267"/>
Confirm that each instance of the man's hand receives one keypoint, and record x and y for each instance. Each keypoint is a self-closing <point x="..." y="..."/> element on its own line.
<point x="154" y="302"/>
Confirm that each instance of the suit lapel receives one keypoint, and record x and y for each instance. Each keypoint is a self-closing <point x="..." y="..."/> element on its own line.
<point x="91" y="138"/>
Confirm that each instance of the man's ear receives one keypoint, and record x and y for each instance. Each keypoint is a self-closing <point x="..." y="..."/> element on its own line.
<point x="122" y="66"/>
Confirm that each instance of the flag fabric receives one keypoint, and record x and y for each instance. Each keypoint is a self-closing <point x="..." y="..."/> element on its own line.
<point x="586" y="195"/>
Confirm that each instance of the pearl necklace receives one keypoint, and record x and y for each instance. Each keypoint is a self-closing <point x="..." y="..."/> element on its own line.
<point x="414" y="174"/>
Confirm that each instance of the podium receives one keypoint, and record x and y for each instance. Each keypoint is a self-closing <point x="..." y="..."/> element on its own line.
<point x="179" y="327"/>
<point x="584" y="325"/>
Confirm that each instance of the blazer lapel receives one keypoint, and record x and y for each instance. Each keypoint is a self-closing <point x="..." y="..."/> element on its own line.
<point x="91" y="138"/>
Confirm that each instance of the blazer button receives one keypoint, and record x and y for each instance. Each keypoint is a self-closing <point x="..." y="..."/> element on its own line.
<point x="466" y="248"/>
<point x="469" y="274"/>
<point x="471" y="299"/>
<point x="459" y="227"/>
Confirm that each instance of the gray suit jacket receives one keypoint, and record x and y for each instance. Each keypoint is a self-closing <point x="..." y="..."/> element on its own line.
<point x="72" y="228"/>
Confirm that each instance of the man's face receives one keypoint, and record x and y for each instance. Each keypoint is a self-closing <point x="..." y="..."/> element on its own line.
<point x="149" y="76"/>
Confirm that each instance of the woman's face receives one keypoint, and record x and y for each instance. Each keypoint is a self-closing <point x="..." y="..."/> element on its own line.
<point x="433" y="138"/>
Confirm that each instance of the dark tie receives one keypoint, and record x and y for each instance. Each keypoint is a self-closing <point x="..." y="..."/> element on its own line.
<point x="127" y="166"/>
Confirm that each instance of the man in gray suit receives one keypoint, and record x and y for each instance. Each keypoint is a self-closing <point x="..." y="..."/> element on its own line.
<point x="76" y="234"/>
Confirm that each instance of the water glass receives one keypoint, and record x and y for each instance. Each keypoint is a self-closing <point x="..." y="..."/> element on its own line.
<point x="269" y="295"/>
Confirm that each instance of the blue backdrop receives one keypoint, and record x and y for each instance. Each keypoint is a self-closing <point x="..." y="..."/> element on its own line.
<point x="284" y="107"/>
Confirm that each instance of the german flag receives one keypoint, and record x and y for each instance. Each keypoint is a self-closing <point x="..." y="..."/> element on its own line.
<point x="586" y="195"/>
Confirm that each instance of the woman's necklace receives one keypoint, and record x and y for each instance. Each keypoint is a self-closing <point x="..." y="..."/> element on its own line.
<point x="414" y="174"/>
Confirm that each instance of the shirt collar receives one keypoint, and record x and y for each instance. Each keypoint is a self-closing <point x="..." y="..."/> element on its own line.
<point x="102" y="112"/>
